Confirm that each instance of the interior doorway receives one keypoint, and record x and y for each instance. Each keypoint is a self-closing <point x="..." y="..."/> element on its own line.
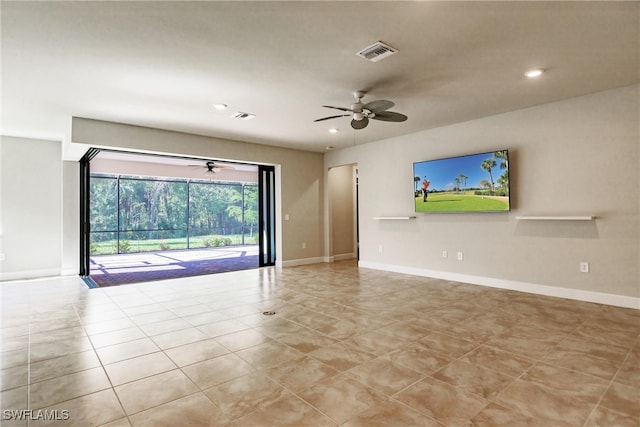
<point x="343" y="212"/>
<point x="149" y="217"/>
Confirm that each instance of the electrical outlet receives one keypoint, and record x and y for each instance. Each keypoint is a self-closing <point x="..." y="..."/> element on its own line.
<point x="445" y="254"/>
<point x="584" y="267"/>
<point x="380" y="248"/>
<point x="1" y="257"/>
<point x="460" y="256"/>
<point x="304" y="245"/>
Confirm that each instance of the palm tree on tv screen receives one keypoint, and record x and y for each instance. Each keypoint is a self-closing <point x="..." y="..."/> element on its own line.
<point x="504" y="160"/>
<point x="463" y="178"/>
<point x="503" y="181"/>
<point x="487" y="165"/>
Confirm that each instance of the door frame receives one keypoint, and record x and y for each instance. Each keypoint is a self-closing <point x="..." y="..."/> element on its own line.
<point x="266" y="212"/>
<point x="85" y="211"/>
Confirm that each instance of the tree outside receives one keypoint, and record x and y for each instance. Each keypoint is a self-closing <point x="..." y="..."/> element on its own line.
<point x="133" y="214"/>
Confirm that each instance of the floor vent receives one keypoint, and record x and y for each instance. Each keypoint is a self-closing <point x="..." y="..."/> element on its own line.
<point x="377" y="52"/>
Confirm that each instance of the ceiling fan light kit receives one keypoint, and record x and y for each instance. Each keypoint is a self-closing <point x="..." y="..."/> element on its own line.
<point x="211" y="168"/>
<point x="361" y="113"/>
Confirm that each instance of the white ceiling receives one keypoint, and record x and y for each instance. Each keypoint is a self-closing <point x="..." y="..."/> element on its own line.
<point x="124" y="163"/>
<point x="163" y="64"/>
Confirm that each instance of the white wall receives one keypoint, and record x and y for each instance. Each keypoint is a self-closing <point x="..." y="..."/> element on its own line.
<point x="30" y="208"/>
<point x="70" y="217"/>
<point x="575" y="157"/>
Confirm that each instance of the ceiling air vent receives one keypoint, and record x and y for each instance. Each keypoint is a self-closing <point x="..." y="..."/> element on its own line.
<point x="377" y="52"/>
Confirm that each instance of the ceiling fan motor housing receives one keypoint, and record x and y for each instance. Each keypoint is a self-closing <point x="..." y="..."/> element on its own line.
<point x="361" y="113"/>
<point x="358" y="114"/>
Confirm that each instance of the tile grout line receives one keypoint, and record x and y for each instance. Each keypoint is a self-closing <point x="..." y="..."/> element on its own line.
<point x="29" y="360"/>
<point x="295" y="297"/>
<point x="199" y="390"/>
<point x="611" y="382"/>
<point x="160" y="350"/>
<point x="488" y="401"/>
<point x="104" y="369"/>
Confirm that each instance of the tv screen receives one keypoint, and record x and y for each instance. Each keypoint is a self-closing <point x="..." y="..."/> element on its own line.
<point x="471" y="183"/>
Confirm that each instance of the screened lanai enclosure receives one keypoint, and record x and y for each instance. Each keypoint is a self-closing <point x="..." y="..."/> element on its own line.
<point x="152" y="218"/>
<point x="132" y="214"/>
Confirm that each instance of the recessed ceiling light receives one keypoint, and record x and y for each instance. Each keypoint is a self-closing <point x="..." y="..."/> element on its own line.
<point x="220" y="106"/>
<point x="532" y="74"/>
<point x="329" y="147"/>
<point x="334" y="130"/>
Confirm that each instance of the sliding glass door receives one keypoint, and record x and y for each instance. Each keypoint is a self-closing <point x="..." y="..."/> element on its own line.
<point x="267" y="214"/>
<point x="85" y="211"/>
<point x="172" y="209"/>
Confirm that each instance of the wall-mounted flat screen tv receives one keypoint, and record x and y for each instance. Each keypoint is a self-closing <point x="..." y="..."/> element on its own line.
<point x="471" y="183"/>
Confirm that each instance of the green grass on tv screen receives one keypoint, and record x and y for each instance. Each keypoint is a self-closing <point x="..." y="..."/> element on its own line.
<point x="461" y="202"/>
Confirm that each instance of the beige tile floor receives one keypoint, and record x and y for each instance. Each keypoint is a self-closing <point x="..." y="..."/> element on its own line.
<point x="347" y="346"/>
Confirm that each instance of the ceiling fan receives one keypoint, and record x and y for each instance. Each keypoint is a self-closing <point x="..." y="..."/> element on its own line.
<point x="361" y="113"/>
<point x="211" y="168"/>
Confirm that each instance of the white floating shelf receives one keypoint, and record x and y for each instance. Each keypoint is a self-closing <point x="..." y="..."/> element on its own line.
<point x="556" y="218"/>
<point x="397" y="218"/>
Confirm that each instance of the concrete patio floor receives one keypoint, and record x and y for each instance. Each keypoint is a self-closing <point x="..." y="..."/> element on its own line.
<point x="108" y="270"/>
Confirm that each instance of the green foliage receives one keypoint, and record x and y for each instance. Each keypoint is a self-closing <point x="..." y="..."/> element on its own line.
<point x="151" y="245"/>
<point x="152" y="205"/>
<point x="153" y="212"/>
<point x="103" y="212"/>
<point x="499" y="191"/>
<point x="125" y="246"/>
<point x="217" y="241"/>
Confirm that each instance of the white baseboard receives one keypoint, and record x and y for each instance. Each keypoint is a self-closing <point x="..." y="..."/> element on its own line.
<point x="29" y="274"/>
<point x="532" y="288"/>
<point x="315" y="260"/>
<point x="303" y="261"/>
<point x="344" y="257"/>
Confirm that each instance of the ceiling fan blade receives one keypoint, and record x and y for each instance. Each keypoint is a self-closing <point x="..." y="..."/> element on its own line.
<point x="332" y="117"/>
<point x="338" y="108"/>
<point x="377" y="106"/>
<point x="217" y="166"/>
<point x="360" y="124"/>
<point x="390" y="116"/>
